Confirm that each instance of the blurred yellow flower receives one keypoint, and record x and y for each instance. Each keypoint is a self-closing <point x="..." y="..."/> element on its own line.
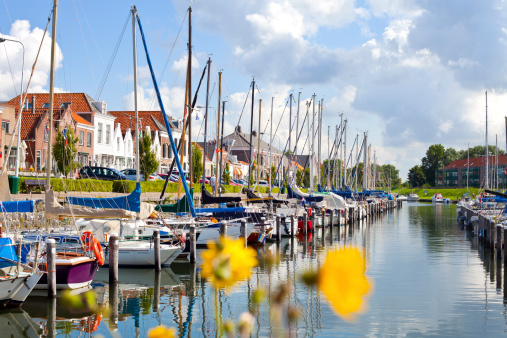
<point x="227" y="262"/>
<point x="343" y="281"/>
<point x="162" y="332"/>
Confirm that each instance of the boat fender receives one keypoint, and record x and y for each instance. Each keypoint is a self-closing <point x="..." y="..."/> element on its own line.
<point x="87" y="239"/>
<point x="309" y="212"/>
<point x="97" y="250"/>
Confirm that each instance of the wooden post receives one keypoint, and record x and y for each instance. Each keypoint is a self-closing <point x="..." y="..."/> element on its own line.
<point x="36" y="258"/>
<point x="113" y="258"/>
<point x="51" y="260"/>
<point x="499" y="240"/>
<point x="223" y="228"/>
<point x="18" y="253"/>
<point x="292" y="229"/>
<point x="242" y="231"/>
<point x="505" y="245"/>
<point x="313" y="221"/>
<point x="351" y="214"/>
<point x="263" y="226"/>
<point x="331" y="218"/>
<point x="156" y="247"/>
<point x="279" y="228"/>
<point x="192" y="243"/>
<point x="305" y="223"/>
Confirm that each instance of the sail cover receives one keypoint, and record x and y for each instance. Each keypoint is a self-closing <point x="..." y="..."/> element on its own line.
<point x="17" y="206"/>
<point x="131" y="202"/>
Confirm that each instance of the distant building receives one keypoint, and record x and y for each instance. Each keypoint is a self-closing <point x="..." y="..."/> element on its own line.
<point x="454" y="175"/>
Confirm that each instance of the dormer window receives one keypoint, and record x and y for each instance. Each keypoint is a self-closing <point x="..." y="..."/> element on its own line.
<point x="27" y="106"/>
<point x="45" y="105"/>
<point x="63" y="105"/>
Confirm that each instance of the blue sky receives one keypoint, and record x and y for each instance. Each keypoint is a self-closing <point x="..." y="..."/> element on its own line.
<point x="411" y="73"/>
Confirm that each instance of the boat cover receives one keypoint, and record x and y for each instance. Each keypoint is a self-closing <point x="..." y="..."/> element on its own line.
<point x="131" y="202"/>
<point x="17" y="206"/>
<point x="295" y="193"/>
<point x="207" y="198"/>
<point x="181" y="205"/>
<point x="216" y="210"/>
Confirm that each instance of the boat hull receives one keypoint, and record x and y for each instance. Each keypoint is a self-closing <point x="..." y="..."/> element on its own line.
<point x="129" y="255"/>
<point x="71" y="275"/>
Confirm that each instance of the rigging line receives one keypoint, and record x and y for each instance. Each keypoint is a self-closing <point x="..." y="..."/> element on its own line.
<point x="84" y="42"/>
<point x="93" y="36"/>
<point x="113" y="56"/>
<point x="169" y="57"/>
<point x="242" y="110"/>
<point x="8" y="14"/>
<point x="10" y="70"/>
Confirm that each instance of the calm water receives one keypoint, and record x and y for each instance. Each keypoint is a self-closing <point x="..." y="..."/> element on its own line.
<point x="431" y="279"/>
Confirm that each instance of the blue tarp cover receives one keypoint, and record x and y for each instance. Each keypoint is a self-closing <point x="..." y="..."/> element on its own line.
<point x="130" y="202"/>
<point x="17" y="206"/>
<point x="202" y="210"/>
<point x="7" y="250"/>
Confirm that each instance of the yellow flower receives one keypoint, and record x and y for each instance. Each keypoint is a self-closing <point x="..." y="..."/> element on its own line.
<point x="343" y="281"/>
<point x="162" y="332"/>
<point x="227" y="262"/>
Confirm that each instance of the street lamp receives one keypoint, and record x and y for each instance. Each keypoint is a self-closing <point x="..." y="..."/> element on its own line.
<point x="18" y="148"/>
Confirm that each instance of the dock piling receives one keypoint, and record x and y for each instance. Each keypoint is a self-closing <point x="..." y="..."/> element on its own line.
<point x="113" y="258"/>
<point x="51" y="260"/>
<point x="279" y="228"/>
<point x="192" y="243"/>
<point x="242" y="231"/>
<point x="223" y="228"/>
<point x="305" y="223"/>
<point x="292" y="230"/>
<point x="156" y="241"/>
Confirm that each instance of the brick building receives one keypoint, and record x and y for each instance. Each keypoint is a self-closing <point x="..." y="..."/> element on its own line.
<point x="454" y="175"/>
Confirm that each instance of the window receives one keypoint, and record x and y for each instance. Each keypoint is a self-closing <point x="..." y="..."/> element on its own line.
<point x="118" y="144"/>
<point x="169" y="151"/>
<point x="88" y="139"/>
<point x="81" y="137"/>
<point x="27" y="106"/>
<point x="5" y="126"/>
<point x="108" y="131"/>
<point x="64" y="104"/>
<point x="45" y="105"/>
<point x="99" y="133"/>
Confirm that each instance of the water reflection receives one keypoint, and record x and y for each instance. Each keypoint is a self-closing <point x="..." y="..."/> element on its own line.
<point x="432" y="277"/>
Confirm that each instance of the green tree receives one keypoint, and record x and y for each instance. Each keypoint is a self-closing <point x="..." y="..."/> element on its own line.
<point x="299" y="173"/>
<point x="196" y="163"/>
<point x="390" y="174"/>
<point x="64" y="151"/>
<point x="416" y="176"/>
<point x="433" y="161"/>
<point x="227" y="174"/>
<point x="450" y="155"/>
<point x="147" y="158"/>
<point x="306" y="178"/>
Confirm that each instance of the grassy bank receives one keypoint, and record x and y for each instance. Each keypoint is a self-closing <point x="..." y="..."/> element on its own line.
<point x="452" y="194"/>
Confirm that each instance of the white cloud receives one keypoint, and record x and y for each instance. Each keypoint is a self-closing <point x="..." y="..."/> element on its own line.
<point x="11" y="60"/>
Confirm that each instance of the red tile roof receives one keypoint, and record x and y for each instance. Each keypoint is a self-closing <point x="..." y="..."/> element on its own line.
<point x="81" y="120"/>
<point x="476" y="162"/>
<point x="80" y="102"/>
<point x="150" y="118"/>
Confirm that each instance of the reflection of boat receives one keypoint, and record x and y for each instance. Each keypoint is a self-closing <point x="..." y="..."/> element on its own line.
<point x="139" y="276"/>
<point x="412" y="198"/>
<point x="19" y="324"/>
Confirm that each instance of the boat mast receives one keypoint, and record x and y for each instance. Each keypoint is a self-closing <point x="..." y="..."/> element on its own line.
<point x="270" y="143"/>
<point x="190" y="105"/>
<point x="206" y="130"/>
<point x="259" y="148"/>
<point x="297" y="126"/>
<point x="468" y="164"/>
<point x="134" y="50"/>
<point x="218" y="156"/>
<point x="222" y="143"/>
<point x="344" y="166"/>
<point x="290" y="130"/>
<point x="251" y="127"/>
<point x="51" y="96"/>
<point x="486" y="185"/>
<point x="312" y="162"/>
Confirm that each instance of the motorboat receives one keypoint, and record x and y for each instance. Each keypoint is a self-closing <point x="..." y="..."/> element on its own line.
<point x="412" y="197"/>
<point x="437" y="198"/>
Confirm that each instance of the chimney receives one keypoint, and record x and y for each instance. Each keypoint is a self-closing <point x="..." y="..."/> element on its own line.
<point x="33" y="104"/>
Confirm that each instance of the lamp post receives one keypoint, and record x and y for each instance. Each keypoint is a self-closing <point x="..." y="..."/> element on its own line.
<point x="18" y="147"/>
